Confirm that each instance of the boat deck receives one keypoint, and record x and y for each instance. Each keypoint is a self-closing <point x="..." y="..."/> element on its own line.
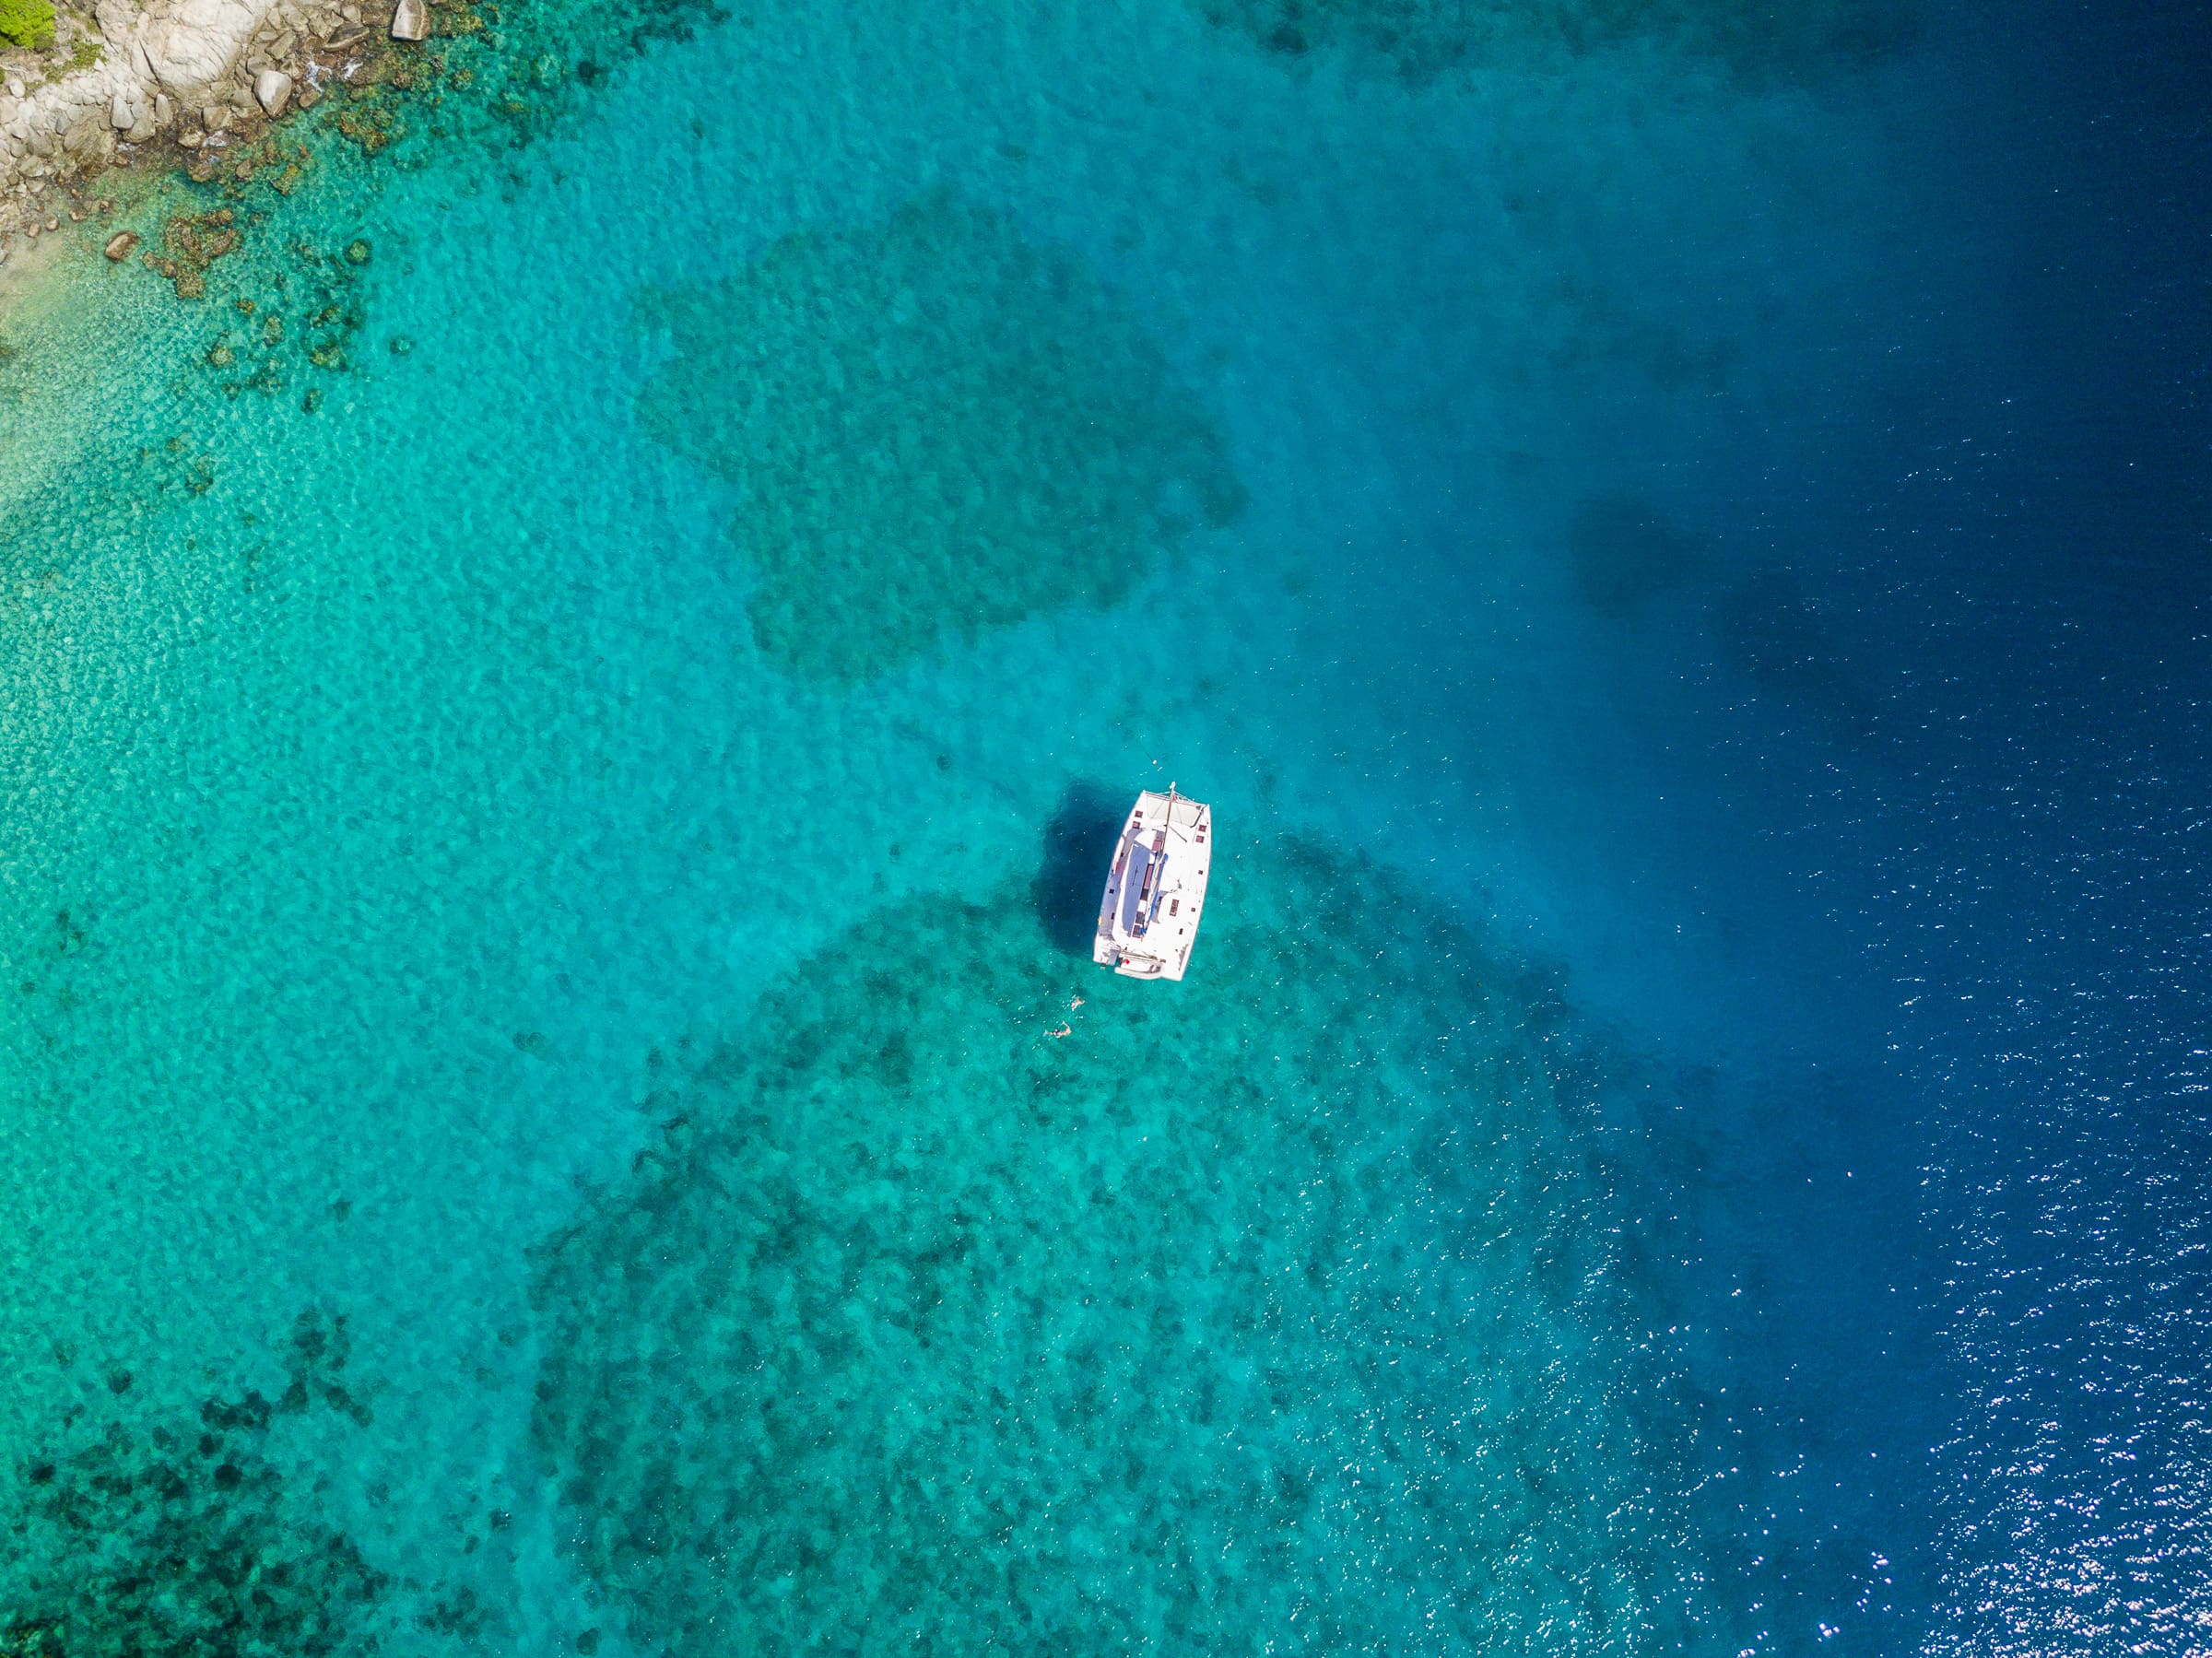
<point x="1155" y="890"/>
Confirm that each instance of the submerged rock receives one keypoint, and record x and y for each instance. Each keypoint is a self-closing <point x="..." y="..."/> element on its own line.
<point x="190" y="244"/>
<point x="121" y="245"/>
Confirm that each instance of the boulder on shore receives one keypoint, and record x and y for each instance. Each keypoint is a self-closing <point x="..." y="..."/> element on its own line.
<point x="193" y="49"/>
<point x="410" y="21"/>
<point x="272" y="92"/>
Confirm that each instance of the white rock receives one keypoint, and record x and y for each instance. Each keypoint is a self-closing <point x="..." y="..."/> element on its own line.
<point x="115" y="22"/>
<point x="272" y="90"/>
<point x="195" y="47"/>
<point x="164" y="110"/>
<point x="410" y="21"/>
<point x="123" y="112"/>
<point x="15" y="86"/>
<point x="88" y="134"/>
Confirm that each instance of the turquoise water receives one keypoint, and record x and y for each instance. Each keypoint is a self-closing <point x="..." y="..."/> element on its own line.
<point x="555" y="774"/>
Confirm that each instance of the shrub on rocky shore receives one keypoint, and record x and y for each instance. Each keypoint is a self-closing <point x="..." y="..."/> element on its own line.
<point x="27" y="23"/>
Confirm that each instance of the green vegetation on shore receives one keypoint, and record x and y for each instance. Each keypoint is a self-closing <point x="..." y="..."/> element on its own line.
<point x="27" y="23"/>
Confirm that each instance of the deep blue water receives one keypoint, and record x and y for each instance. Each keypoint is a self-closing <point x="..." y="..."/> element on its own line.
<point x="554" y="768"/>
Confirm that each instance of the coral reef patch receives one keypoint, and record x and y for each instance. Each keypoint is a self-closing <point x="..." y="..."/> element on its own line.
<point x="934" y="429"/>
<point x="978" y="1301"/>
<point x="183" y="1540"/>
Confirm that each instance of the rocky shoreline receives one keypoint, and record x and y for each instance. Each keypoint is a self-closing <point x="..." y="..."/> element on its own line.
<point x="165" y="80"/>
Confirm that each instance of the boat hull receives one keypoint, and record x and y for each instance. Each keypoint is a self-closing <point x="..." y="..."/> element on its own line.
<point x="1155" y="892"/>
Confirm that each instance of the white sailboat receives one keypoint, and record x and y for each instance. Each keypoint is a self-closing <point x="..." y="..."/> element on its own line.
<point x="1155" y="890"/>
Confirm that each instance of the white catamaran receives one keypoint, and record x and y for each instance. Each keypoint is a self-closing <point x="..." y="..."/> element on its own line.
<point x="1157" y="888"/>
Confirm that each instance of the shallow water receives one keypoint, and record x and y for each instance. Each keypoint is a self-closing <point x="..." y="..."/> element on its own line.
<point x="556" y="769"/>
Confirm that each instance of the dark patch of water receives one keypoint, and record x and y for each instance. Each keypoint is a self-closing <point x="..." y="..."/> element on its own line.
<point x="1770" y="631"/>
<point x="1625" y="556"/>
<point x="1755" y="41"/>
<point x="934" y="429"/>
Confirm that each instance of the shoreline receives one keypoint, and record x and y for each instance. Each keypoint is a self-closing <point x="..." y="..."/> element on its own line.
<point x="161" y="85"/>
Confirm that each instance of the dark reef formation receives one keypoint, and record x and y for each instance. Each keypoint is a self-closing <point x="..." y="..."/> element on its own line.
<point x="1758" y="41"/>
<point x="1772" y="632"/>
<point x="935" y="430"/>
<point x="928" y="1327"/>
<point x="183" y="1541"/>
<point x="1625" y="557"/>
<point x="1631" y="566"/>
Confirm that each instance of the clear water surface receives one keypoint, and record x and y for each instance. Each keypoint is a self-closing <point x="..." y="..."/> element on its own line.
<point x="558" y="723"/>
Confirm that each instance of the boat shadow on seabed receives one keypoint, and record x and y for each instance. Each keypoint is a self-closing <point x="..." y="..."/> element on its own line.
<point x="1078" y="843"/>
